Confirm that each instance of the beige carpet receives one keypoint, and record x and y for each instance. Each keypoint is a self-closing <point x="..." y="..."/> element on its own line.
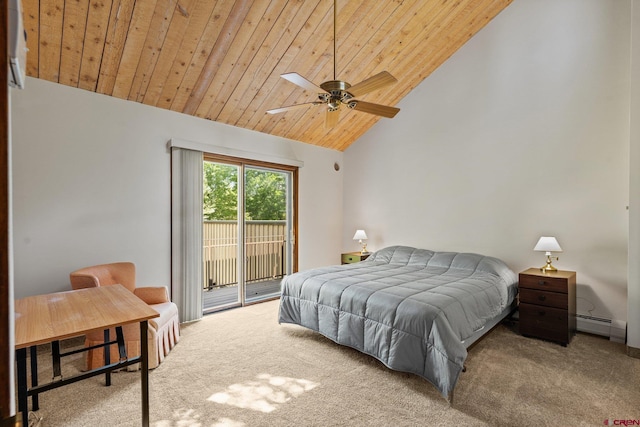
<point x="240" y="368"/>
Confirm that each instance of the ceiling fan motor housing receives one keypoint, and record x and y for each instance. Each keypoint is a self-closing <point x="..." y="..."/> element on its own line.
<point x="337" y="93"/>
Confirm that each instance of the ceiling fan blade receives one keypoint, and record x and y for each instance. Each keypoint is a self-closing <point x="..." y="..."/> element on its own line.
<point x="297" y="79"/>
<point x="331" y="118"/>
<point x="292" y="107"/>
<point x="377" y="109"/>
<point x="372" y="83"/>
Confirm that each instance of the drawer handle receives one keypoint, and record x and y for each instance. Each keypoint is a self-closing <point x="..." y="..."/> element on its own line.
<point x="542" y="313"/>
<point x="542" y="297"/>
<point x="541" y="282"/>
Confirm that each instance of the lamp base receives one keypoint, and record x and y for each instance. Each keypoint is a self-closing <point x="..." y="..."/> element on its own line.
<point x="548" y="267"/>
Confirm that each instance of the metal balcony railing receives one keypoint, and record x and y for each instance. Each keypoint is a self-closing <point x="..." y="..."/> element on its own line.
<point x="265" y="252"/>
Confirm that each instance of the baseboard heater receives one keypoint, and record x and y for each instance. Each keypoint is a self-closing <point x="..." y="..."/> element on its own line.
<point x="614" y="330"/>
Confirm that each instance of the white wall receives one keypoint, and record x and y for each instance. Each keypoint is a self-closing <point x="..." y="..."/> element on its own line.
<point x="91" y="178"/>
<point x="523" y="132"/>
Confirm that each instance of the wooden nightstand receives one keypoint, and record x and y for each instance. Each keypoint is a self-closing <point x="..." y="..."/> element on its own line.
<point x="353" y="257"/>
<point x="548" y="304"/>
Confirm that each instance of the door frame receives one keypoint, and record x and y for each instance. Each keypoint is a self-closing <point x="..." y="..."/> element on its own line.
<point x="7" y="405"/>
<point x="292" y="234"/>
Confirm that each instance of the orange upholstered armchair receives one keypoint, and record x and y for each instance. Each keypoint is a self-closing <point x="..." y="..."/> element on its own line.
<point x="164" y="331"/>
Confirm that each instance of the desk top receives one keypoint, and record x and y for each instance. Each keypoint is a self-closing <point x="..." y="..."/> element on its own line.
<point x="44" y="318"/>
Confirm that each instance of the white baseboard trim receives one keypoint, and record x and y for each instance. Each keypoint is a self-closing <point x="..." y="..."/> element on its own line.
<point x="592" y="325"/>
<point x="618" y="331"/>
<point x="615" y="330"/>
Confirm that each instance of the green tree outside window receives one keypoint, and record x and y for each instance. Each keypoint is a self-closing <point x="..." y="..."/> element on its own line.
<point x="265" y="193"/>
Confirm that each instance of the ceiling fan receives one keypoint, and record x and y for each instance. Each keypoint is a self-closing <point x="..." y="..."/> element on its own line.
<point x="334" y="93"/>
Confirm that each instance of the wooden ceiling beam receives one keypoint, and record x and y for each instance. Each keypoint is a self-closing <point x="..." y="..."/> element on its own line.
<point x="185" y="59"/>
<point x="75" y="21"/>
<point x="163" y="15"/>
<point x="51" y="22"/>
<point x="120" y="17"/>
<point x="237" y="74"/>
<point x="174" y="40"/>
<point x="31" y="22"/>
<point x="224" y="80"/>
<point x="229" y="31"/>
<point x="268" y="56"/>
<point x="271" y="54"/>
<point x="134" y="44"/>
<point x="94" y="44"/>
<point x="205" y="46"/>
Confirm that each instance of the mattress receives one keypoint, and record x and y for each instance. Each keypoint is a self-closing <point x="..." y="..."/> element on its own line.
<point x="410" y="308"/>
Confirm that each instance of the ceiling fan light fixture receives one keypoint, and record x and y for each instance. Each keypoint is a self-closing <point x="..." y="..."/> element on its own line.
<point x="346" y="96"/>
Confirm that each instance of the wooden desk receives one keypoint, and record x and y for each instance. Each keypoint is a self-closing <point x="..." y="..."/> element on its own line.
<point x="48" y="318"/>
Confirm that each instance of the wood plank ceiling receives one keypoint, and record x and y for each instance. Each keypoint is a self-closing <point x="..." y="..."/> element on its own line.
<point x="222" y="60"/>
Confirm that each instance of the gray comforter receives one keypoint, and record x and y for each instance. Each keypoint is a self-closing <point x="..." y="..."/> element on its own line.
<point x="409" y="308"/>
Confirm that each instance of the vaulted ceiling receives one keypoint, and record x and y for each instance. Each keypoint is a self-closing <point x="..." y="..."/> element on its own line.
<point x="222" y="60"/>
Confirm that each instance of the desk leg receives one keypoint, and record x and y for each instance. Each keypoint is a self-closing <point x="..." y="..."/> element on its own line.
<point x="21" y="359"/>
<point x="122" y="349"/>
<point x="55" y="357"/>
<point x="33" y="351"/>
<point x="144" y="371"/>
<point x="106" y="352"/>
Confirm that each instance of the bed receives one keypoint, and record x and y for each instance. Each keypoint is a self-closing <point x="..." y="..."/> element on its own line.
<point x="413" y="309"/>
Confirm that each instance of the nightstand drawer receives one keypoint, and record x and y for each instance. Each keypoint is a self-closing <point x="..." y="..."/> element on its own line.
<point x="544" y="298"/>
<point x="544" y="322"/>
<point x="354" y="257"/>
<point x="543" y="283"/>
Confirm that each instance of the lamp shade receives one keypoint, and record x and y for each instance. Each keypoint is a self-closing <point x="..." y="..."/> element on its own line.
<point x="360" y="235"/>
<point x="547" y="244"/>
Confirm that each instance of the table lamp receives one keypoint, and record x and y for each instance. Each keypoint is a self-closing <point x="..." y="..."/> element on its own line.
<point x="548" y="245"/>
<point x="360" y="236"/>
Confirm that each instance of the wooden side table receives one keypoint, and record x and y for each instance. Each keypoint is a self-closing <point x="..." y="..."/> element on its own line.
<point x="548" y="304"/>
<point x="353" y="257"/>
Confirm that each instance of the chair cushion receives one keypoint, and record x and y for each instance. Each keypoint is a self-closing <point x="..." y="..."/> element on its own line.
<point x="152" y="295"/>
<point x="167" y="311"/>
<point x="123" y="273"/>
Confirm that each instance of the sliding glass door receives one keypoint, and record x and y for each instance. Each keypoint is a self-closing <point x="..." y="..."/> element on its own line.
<point x="220" y="247"/>
<point x="248" y="231"/>
<point x="267" y="219"/>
